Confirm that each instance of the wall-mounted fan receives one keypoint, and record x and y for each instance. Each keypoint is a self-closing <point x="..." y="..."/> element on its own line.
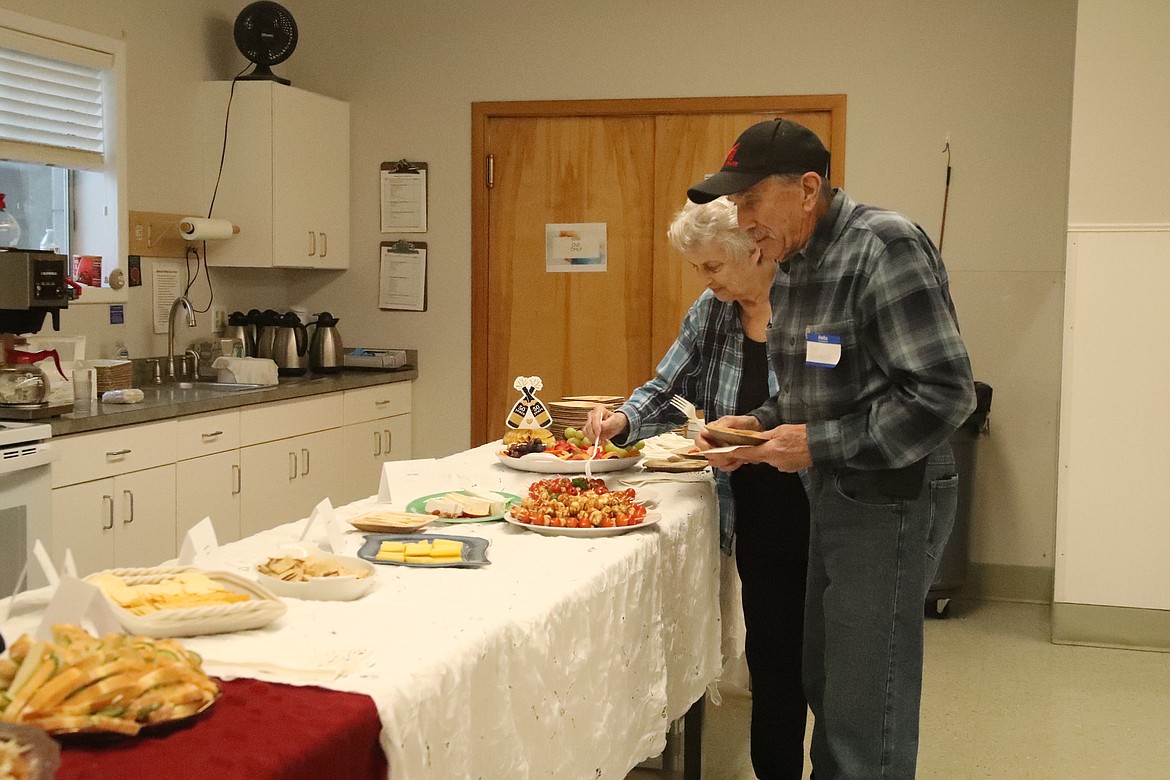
<point x="267" y="35"/>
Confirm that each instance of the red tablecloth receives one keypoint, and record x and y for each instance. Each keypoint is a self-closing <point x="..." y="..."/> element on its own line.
<point x="256" y="731"/>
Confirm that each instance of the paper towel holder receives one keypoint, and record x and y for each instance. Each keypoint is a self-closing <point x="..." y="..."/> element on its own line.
<point x="202" y="229"/>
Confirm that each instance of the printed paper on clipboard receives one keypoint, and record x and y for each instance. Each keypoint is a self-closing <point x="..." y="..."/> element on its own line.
<point x="402" y="276"/>
<point x="403" y="197"/>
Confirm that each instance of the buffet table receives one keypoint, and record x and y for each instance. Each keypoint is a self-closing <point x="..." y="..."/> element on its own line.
<point x="565" y="657"/>
<point x="315" y="733"/>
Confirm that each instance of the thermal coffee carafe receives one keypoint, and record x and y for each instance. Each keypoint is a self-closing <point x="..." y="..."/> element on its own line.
<point x="269" y="324"/>
<point x="325" y="348"/>
<point x="239" y="330"/>
<point x="290" y="346"/>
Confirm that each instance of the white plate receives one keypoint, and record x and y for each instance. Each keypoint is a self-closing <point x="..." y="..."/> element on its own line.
<point x="259" y="610"/>
<point x="548" y="530"/>
<point x="543" y="463"/>
<point x="345" y="588"/>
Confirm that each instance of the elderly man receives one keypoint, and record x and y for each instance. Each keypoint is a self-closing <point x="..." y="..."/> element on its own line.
<point x="873" y="379"/>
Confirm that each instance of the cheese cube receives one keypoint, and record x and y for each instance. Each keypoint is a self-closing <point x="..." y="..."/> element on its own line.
<point x="398" y="557"/>
<point x="418" y="548"/>
<point x="447" y="547"/>
<point x="419" y="559"/>
<point x="392" y="547"/>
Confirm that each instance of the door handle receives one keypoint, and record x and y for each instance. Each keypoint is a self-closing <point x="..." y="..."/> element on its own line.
<point x="130" y="514"/>
<point x="324" y="244"/>
<point x="236" y="482"/>
<point x="312" y="243"/>
<point x="212" y="435"/>
<point x="305" y="452"/>
<point x="118" y="453"/>
<point x="389" y="440"/>
<point x="109" y="512"/>
<point x="292" y="466"/>
<point x="377" y="444"/>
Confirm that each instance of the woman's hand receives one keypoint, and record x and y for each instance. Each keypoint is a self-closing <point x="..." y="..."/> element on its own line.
<point x="604" y="424"/>
<point x="743" y="422"/>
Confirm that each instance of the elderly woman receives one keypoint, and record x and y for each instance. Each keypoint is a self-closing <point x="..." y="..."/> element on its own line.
<point x="720" y="363"/>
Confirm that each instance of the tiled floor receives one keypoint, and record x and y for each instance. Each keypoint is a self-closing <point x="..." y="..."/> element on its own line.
<point x="1001" y="701"/>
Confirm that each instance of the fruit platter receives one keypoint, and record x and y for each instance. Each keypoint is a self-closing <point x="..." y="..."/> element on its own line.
<point x="561" y="506"/>
<point x="567" y="455"/>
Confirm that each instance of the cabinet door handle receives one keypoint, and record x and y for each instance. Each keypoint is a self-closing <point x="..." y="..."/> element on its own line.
<point x="377" y="444"/>
<point x="324" y="244"/>
<point x="118" y="453"/>
<point x="236" y="481"/>
<point x="312" y="243"/>
<point x="109" y="512"/>
<point x="305" y="452"/>
<point x="212" y="435"/>
<point x="292" y="466"/>
<point x="389" y="440"/>
<point x="130" y="504"/>
<point x="383" y="402"/>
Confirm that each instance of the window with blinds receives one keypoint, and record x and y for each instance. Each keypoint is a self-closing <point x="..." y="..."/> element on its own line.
<point x="62" y="146"/>
<point x="52" y="109"/>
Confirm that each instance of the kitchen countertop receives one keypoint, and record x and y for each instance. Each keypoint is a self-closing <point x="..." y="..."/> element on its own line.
<point x="164" y="402"/>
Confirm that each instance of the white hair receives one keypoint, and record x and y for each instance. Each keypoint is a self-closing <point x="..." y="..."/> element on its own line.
<point x="714" y="224"/>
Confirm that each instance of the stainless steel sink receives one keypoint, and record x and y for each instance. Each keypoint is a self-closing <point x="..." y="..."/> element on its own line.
<point x="223" y="387"/>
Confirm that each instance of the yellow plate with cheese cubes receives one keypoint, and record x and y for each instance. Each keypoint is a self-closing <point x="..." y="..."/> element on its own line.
<point x="425" y="551"/>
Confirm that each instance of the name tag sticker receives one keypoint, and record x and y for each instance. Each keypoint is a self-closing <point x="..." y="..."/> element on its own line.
<point x="822" y="350"/>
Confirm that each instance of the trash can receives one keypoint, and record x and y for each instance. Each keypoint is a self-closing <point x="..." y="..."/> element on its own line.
<point x="952" y="569"/>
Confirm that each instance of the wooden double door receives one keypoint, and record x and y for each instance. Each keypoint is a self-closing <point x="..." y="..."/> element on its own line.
<point x="624" y="164"/>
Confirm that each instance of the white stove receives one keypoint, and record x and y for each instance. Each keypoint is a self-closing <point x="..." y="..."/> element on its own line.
<point x="23" y="432"/>
<point x="26" y="490"/>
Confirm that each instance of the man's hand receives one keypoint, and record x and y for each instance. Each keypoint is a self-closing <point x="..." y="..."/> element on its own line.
<point x="786" y="450"/>
<point x="604" y="424"/>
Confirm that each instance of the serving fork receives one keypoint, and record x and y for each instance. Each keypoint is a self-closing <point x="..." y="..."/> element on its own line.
<point x="686" y="407"/>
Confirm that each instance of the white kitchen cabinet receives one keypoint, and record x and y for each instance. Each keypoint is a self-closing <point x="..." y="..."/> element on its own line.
<point x="207" y="475"/>
<point x="209" y="486"/>
<point x="367" y="446"/>
<point x="377" y="430"/>
<point x="117" y="522"/>
<point x="285" y="175"/>
<point x="283" y="480"/>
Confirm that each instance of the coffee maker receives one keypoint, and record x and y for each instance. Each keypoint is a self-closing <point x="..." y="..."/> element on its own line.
<point x="33" y="284"/>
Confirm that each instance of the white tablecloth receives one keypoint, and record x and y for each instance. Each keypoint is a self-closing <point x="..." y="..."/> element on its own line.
<point x="565" y="658"/>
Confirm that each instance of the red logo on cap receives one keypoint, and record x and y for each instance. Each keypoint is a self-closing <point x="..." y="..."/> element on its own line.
<point x="730" y="162"/>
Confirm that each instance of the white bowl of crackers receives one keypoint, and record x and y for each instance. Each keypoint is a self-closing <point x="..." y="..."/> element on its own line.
<point x="317" y="576"/>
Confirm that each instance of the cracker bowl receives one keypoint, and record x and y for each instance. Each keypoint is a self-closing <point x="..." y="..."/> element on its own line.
<point x="317" y="577"/>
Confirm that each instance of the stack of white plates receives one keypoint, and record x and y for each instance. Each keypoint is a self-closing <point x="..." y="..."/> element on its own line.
<point x="573" y="411"/>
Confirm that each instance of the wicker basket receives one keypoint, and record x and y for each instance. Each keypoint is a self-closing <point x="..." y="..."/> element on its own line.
<point x="118" y="376"/>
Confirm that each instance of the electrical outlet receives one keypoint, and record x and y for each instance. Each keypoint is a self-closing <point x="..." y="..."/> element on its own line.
<point x="219" y="318"/>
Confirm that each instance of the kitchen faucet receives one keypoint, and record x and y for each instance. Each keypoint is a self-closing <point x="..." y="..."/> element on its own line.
<point x="180" y="301"/>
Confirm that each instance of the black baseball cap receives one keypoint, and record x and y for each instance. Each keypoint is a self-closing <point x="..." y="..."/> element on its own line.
<point x="765" y="148"/>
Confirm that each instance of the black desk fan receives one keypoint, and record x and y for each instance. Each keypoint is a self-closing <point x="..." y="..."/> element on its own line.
<point x="266" y="34"/>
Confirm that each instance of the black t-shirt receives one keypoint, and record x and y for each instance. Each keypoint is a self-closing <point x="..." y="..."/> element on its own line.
<point x="762" y="493"/>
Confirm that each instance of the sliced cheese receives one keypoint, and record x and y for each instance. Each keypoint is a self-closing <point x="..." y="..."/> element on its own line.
<point x="387" y="555"/>
<point x="447" y="547"/>
<point x="443" y="506"/>
<point x="473" y="506"/>
<point x="418" y="548"/>
<point x="418" y="559"/>
<point x="392" y="547"/>
<point x="497" y="503"/>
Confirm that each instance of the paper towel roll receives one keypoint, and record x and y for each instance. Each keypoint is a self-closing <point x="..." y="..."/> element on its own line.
<point x="200" y="229"/>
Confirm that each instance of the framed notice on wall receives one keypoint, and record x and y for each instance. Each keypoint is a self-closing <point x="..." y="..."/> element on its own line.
<point x="402" y="276"/>
<point x="403" y="199"/>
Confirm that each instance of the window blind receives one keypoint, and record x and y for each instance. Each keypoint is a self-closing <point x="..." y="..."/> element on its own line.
<point x="51" y="111"/>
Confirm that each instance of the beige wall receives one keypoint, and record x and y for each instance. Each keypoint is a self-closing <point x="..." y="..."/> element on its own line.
<point x="1115" y="422"/>
<point x="996" y="76"/>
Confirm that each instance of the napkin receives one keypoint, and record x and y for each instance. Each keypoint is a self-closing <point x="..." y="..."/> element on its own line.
<point x="246" y="371"/>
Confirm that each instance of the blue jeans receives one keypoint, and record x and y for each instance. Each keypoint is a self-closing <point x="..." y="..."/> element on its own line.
<point x="872" y="560"/>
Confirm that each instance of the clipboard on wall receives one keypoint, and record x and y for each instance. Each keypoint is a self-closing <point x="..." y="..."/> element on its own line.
<point x="402" y="276"/>
<point x="403" y="196"/>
